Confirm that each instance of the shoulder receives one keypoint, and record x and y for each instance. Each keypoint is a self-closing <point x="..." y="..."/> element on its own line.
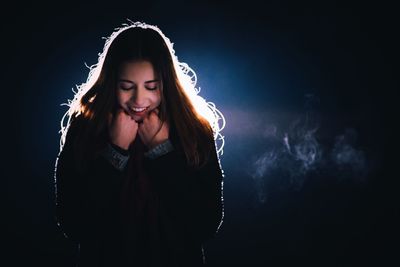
<point x="72" y="132"/>
<point x="76" y="125"/>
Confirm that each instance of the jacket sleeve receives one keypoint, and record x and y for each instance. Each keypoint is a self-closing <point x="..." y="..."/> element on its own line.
<point x="192" y="198"/>
<point x="83" y="199"/>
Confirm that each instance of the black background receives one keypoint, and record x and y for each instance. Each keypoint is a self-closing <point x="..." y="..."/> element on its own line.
<point x="251" y="59"/>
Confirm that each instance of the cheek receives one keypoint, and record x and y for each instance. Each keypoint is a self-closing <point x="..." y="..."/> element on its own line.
<point x="121" y="97"/>
<point x="156" y="99"/>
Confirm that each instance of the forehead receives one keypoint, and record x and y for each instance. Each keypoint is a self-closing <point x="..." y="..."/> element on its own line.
<point x="137" y="70"/>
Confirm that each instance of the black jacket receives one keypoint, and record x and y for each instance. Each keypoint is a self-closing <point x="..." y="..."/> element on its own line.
<point x="190" y="208"/>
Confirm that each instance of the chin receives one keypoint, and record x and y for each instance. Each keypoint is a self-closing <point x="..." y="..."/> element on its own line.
<point x="138" y="118"/>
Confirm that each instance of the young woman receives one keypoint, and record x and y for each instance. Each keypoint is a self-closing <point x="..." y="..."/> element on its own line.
<point x="138" y="177"/>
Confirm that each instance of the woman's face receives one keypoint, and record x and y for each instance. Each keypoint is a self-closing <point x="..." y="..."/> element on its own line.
<point x="138" y="88"/>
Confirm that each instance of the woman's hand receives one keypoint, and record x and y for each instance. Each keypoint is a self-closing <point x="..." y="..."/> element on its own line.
<point x="122" y="129"/>
<point x="150" y="132"/>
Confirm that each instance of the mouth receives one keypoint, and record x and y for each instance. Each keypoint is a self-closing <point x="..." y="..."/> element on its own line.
<point x="138" y="111"/>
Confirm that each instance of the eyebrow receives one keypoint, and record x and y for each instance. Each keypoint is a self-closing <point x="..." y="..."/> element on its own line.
<point x="128" y="81"/>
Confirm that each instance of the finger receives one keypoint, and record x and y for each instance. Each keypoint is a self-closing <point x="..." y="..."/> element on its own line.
<point x="154" y="114"/>
<point x="124" y="110"/>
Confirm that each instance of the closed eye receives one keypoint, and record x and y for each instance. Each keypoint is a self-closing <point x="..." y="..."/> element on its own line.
<point x="151" y="85"/>
<point x="125" y="85"/>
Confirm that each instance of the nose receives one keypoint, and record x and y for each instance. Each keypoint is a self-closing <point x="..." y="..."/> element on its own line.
<point x="138" y="96"/>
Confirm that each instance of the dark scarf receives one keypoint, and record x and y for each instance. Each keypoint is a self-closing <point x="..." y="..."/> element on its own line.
<point x="139" y="212"/>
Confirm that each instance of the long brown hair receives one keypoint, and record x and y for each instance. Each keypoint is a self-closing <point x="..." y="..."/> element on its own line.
<point x="195" y="120"/>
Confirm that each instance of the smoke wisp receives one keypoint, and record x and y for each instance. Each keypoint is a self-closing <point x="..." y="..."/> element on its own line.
<point x="291" y="154"/>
